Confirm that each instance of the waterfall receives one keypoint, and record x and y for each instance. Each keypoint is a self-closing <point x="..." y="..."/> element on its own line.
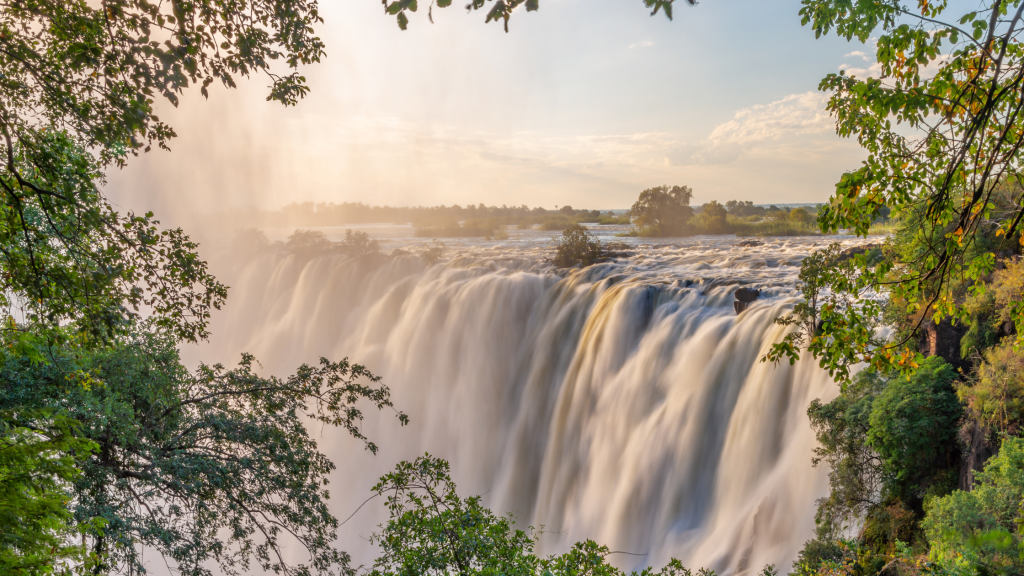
<point x="624" y="402"/>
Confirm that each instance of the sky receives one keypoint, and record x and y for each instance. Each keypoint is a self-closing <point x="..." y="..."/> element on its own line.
<point x="583" y="102"/>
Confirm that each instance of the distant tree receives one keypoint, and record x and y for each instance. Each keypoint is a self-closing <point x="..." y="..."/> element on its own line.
<point x="250" y="241"/>
<point x="358" y="244"/>
<point x="663" y="210"/>
<point x="567" y="210"/>
<point x="308" y="243"/>
<point x="713" y="215"/>
<point x="801" y="216"/>
<point x="577" y="246"/>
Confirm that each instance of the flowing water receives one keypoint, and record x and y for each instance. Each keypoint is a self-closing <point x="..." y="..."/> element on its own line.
<point x="624" y="402"/>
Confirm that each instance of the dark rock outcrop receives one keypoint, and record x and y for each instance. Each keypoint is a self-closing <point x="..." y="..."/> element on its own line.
<point x="748" y="243"/>
<point x="744" y="296"/>
<point x="943" y="340"/>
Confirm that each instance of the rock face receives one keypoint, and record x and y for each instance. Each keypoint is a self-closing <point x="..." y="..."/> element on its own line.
<point x="744" y="296"/>
<point x="943" y="340"/>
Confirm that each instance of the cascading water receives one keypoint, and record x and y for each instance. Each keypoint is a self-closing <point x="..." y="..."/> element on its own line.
<point x="625" y="402"/>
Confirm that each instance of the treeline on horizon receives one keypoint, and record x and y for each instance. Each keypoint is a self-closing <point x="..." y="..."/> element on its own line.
<point x="737" y="217"/>
<point x="331" y="214"/>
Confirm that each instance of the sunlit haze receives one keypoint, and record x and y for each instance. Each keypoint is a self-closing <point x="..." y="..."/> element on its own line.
<point x="583" y="103"/>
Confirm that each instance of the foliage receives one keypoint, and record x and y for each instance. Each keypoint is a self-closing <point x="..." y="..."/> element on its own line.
<point x="838" y="297"/>
<point x="801" y="216"/>
<point x="995" y="396"/>
<point x="943" y="155"/>
<point x="663" y="210"/>
<point x="577" y="246"/>
<point x="501" y="9"/>
<point x="889" y="443"/>
<point x="913" y="428"/>
<point x="713" y="215"/>
<point x="68" y="258"/>
<point x="96" y="69"/>
<point x="855" y="469"/>
<point x="213" y="467"/>
<point x="981" y="525"/>
<point x="309" y="243"/>
<point x="250" y="241"/>
<point x="81" y="78"/>
<point x="37" y="467"/>
<point x="433" y="531"/>
<point x="991" y="311"/>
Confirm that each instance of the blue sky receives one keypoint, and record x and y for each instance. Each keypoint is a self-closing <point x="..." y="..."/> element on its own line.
<point x="584" y="102"/>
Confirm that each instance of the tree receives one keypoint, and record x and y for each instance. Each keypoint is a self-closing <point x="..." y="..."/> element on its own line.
<point x="714" y="216"/>
<point x="980" y="528"/>
<point x="80" y="79"/>
<point x="663" y="210"/>
<point x="913" y="428"/>
<point x="995" y="396"/>
<point x="432" y="531"/>
<point x="577" y="246"/>
<point x="210" y="468"/>
<point x="801" y="216"/>
<point x="309" y="243"/>
<point x="501" y="9"/>
<point x="358" y="244"/>
<point x="940" y="126"/>
<point x="38" y="464"/>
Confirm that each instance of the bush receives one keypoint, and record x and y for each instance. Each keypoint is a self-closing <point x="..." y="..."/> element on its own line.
<point x="577" y="246"/>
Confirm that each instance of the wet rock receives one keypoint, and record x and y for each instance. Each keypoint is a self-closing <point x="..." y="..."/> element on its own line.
<point x="749" y="243"/>
<point x="744" y="296"/>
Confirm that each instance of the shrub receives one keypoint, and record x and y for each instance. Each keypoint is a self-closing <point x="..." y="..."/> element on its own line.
<point x="577" y="246"/>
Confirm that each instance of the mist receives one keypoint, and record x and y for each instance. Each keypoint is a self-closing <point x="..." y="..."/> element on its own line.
<point x="582" y="103"/>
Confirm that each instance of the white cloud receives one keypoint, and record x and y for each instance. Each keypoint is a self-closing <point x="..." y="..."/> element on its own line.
<point x="643" y="44"/>
<point x="795" y="114"/>
<point x="857" y="53"/>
